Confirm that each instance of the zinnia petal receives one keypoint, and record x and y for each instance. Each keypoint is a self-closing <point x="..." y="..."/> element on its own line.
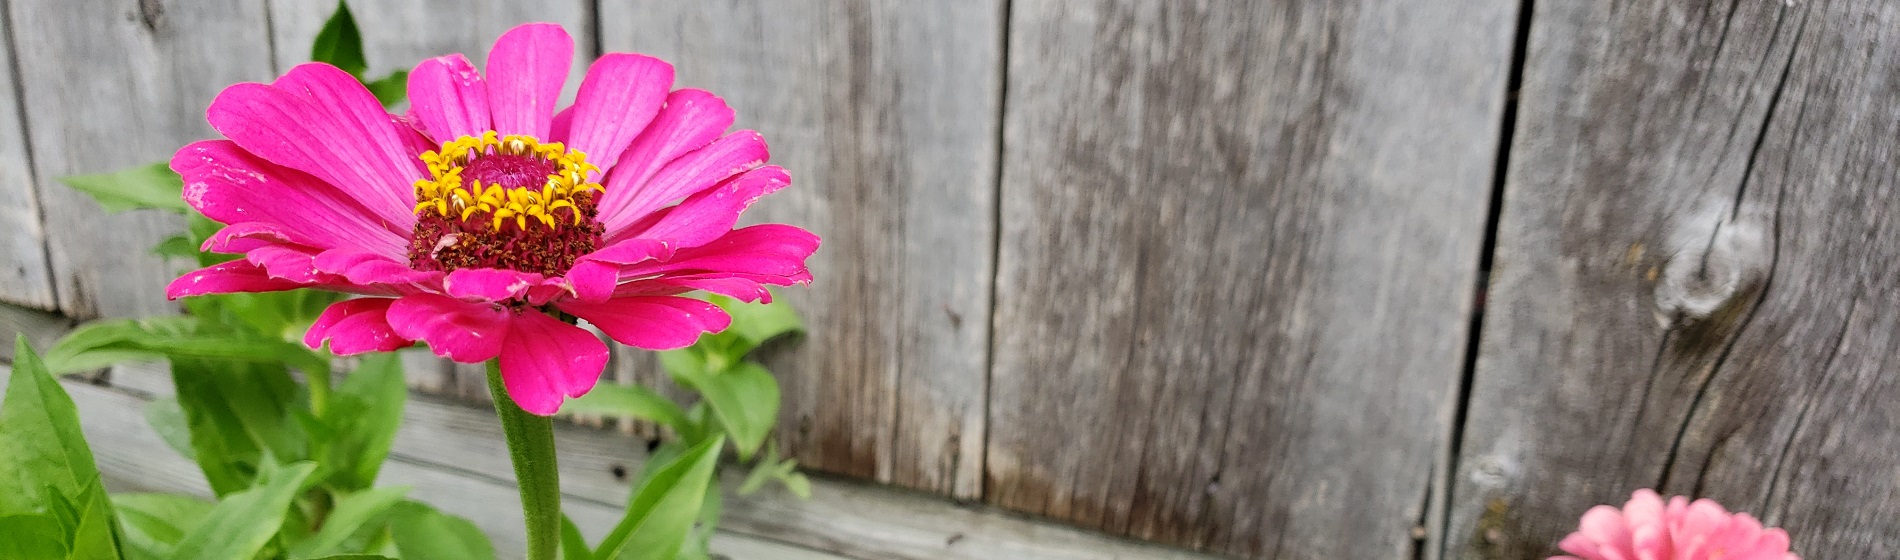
<point x="320" y="120"/>
<point x="689" y="120"/>
<point x="1647" y="528"/>
<point x="458" y="330"/>
<point x="546" y="360"/>
<point x="620" y="95"/>
<point x="233" y="186"/>
<point x="526" y="70"/>
<point x="448" y="96"/>
<point x="696" y="171"/>
<point x="706" y="216"/>
<point x="355" y="326"/>
<point x="489" y="284"/>
<point x="227" y="278"/>
<point x="653" y="323"/>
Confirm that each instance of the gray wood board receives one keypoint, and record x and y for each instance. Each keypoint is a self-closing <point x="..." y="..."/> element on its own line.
<point x="1238" y="248"/>
<point x="25" y="278"/>
<point x="451" y="454"/>
<point x="108" y="85"/>
<point x="885" y="115"/>
<point x="1690" y="290"/>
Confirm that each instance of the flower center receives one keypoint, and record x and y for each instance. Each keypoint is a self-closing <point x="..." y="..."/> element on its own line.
<point x="504" y="202"/>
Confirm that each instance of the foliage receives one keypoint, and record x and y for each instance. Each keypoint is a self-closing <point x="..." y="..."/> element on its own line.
<point x="676" y="502"/>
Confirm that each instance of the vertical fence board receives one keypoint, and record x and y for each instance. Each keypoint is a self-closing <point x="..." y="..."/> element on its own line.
<point x="1690" y="285"/>
<point x="1239" y="244"/>
<point x="885" y="114"/>
<point x="109" y="85"/>
<point x="24" y="276"/>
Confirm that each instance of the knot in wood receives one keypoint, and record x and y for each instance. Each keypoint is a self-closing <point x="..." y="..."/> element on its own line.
<point x="1711" y="262"/>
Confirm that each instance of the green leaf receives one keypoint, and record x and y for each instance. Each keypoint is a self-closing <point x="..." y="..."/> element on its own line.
<point x="422" y="533"/>
<point x="357" y="557"/>
<point x="756" y="323"/>
<point x="364" y="414"/>
<point x="168" y="419"/>
<point x="43" y="453"/>
<point x="153" y="186"/>
<point x="745" y="399"/>
<point x="154" y="523"/>
<point x="177" y="246"/>
<point x="628" y="400"/>
<point x="102" y="343"/>
<point x="96" y="537"/>
<point x="352" y="513"/>
<point x="240" y="525"/>
<point x="573" y="545"/>
<point x="32" y="537"/>
<point x="239" y="413"/>
<point x="339" y="44"/>
<point x="661" y="512"/>
<point x="391" y="89"/>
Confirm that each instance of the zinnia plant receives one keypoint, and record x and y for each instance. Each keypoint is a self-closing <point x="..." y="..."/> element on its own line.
<point x="485" y="222"/>
<point x="1647" y="528"/>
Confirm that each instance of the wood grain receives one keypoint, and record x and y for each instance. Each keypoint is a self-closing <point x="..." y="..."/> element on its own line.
<point x="114" y="84"/>
<point x="1687" y="292"/>
<point x="885" y="115"/>
<point x="1238" y="251"/>
<point x="25" y="278"/>
<point x="449" y="453"/>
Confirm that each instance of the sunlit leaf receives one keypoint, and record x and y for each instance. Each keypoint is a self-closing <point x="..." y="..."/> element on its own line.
<point x="573" y="545"/>
<point x="756" y="323"/>
<point x="240" y="525"/>
<point x="662" y="510"/>
<point x="745" y="398"/>
<point x="154" y="523"/>
<point x="422" y="533"/>
<point x="150" y="186"/>
<point x="43" y="454"/>
<point x="102" y="343"/>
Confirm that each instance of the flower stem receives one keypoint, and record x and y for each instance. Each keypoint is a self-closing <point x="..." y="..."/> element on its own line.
<point x="531" y="447"/>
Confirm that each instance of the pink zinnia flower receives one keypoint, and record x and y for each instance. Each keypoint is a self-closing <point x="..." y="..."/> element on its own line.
<point x="1648" y="529"/>
<point x="477" y="220"/>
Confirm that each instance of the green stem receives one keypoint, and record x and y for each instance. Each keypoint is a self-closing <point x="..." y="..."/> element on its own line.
<point x="531" y="447"/>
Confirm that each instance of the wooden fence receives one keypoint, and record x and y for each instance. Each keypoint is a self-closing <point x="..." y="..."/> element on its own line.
<point x="1346" y="279"/>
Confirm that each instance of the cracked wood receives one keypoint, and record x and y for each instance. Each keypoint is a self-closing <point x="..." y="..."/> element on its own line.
<point x="1239" y="245"/>
<point x="1685" y="281"/>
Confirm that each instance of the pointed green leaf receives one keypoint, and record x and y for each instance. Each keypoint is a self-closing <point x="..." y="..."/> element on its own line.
<point x="238" y="414"/>
<point x="44" y="457"/>
<point x="391" y="89"/>
<point x="628" y="400"/>
<point x="352" y="513"/>
<point x="154" y="523"/>
<point x="240" y="525"/>
<point x="99" y="344"/>
<point x="745" y="399"/>
<point x="357" y="557"/>
<point x="153" y="186"/>
<point x="573" y="545"/>
<point x="661" y="512"/>
<point x="364" y="415"/>
<point x="97" y="535"/>
<point x="423" y="533"/>
<point x="339" y="43"/>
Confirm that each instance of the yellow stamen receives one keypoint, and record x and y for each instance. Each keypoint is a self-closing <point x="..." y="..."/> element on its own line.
<point x="445" y="193"/>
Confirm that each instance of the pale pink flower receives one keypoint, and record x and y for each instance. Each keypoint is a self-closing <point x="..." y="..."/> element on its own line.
<point x="477" y="220"/>
<point x="1648" y="529"/>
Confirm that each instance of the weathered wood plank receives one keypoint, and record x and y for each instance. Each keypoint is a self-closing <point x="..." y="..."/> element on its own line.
<point x="1687" y="289"/>
<point x="885" y="114"/>
<point x="25" y="278"/>
<point x="112" y="84"/>
<point x="853" y="519"/>
<point x="1238" y="251"/>
<point x="134" y="459"/>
